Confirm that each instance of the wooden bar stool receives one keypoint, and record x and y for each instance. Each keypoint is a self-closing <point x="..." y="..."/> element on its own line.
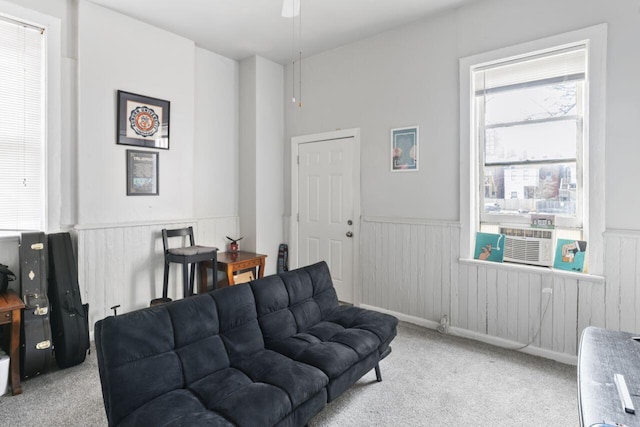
<point x="186" y="255"/>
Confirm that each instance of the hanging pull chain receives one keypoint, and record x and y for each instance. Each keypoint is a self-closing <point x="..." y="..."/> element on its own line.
<point x="300" y="60"/>
<point x="293" y="49"/>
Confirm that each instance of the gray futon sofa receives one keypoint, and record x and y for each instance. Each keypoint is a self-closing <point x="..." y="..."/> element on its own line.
<point x="270" y="352"/>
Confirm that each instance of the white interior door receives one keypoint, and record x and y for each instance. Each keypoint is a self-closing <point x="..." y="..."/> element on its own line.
<point x="326" y="222"/>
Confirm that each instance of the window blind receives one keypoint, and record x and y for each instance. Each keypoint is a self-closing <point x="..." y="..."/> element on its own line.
<point x="22" y="121"/>
<point x="564" y="64"/>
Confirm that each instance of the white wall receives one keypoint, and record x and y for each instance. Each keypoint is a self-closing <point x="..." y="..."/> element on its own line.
<point x="144" y="60"/>
<point x="248" y="156"/>
<point x="198" y="174"/>
<point x="409" y="76"/>
<point x="270" y="160"/>
<point x="403" y="77"/>
<point x="215" y="174"/>
<point x="118" y="237"/>
<point x="400" y="78"/>
<point x="261" y="162"/>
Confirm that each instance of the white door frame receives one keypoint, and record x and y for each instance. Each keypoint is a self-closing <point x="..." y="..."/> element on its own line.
<point x="293" y="233"/>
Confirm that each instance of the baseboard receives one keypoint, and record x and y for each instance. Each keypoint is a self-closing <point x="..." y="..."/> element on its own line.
<point x="403" y="317"/>
<point x="567" y="359"/>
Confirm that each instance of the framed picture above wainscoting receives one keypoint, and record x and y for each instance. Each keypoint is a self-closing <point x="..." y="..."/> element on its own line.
<point x="142" y="173"/>
<point x="143" y="121"/>
<point x="404" y="149"/>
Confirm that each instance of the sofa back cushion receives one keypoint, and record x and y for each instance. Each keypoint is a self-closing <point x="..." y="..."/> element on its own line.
<point x="294" y="301"/>
<point x="239" y="326"/>
<point x="197" y="340"/>
<point x="136" y="366"/>
<point x="147" y="353"/>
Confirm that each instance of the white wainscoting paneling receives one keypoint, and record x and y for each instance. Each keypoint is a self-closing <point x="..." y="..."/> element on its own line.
<point x="412" y="267"/>
<point x="509" y="302"/>
<point x="622" y="269"/>
<point x="122" y="264"/>
<point x="407" y="265"/>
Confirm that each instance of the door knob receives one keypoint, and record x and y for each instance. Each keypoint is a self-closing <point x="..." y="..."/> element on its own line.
<point x="349" y="234"/>
<point x="349" y="222"/>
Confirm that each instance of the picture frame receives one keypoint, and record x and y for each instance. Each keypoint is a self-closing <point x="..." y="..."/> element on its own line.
<point x="404" y="149"/>
<point x="142" y="173"/>
<point x="570" y="255"/>
<point x="489" y="247"/>
<point x="143" y="121"/>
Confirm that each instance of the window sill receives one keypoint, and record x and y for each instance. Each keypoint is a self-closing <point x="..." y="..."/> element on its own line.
<point x="534" y="269"/>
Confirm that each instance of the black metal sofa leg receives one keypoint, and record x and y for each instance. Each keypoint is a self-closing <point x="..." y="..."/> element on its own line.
<point x="378" y="375"/>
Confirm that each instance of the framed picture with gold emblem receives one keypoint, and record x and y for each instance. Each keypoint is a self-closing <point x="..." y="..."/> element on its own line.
<point x="143" y="121"/>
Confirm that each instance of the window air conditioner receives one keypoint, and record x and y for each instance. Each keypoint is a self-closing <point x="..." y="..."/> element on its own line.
<point x="526" y="245"/>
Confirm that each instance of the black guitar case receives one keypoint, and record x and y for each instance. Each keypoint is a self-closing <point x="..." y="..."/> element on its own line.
<point x="69" y="317"/>
<point x="36" y="349"/>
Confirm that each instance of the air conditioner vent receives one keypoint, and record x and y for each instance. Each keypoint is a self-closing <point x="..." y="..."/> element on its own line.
<point x="528" y="246"/>
<point x="522" y="250"/>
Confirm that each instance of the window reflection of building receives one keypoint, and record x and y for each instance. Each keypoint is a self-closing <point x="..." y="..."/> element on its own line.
<point x="545" y="189"/>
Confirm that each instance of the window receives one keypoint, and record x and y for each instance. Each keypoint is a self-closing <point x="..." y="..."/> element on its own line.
<point x="529" y="117"/>
<point x="532" y="127"/>
<point x="22" y="128"/>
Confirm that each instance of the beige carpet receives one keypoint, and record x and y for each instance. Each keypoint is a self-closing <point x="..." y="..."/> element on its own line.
<point x="431" y="379"/>
<point x="428" y="379"/>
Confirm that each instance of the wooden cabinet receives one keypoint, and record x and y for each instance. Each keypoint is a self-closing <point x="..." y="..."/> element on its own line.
<point x="11" y="315"/>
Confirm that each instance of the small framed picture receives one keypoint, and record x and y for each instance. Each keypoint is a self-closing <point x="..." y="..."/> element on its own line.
<point x="404" y="149"/>
<point x="489" y="247"/>
<point x="570" y="255"/>
<point x="142" y="173"/>
<point x="143" y="121"/>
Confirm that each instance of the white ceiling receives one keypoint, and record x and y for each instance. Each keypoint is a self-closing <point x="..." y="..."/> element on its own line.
<point x="242" y="28"/>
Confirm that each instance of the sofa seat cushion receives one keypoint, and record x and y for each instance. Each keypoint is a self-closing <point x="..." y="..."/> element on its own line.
<point x="298" y="380"/>
<point x="329" y="347"/>
<point x="176" y="408"/>
<point x="235" y="396"/>
<point x="381" y="325"/>
<point x="260" y="390"/>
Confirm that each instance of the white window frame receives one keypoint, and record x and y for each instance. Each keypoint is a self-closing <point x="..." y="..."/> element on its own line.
<point x="562" y="221"/>
<point x="594" y="148"/>
<point x="53" y="106"/>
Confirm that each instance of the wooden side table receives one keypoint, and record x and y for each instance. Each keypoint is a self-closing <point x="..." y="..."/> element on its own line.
<point x="11" y="314"/>
<point x="233" y="261"/>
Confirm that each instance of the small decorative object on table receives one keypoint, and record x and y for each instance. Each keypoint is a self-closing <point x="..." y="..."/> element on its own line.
<point x="6" y="276"/>
<point x="233" y="245"/>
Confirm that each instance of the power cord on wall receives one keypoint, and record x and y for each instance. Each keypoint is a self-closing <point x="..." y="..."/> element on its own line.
<point x="443" y="327"/>
<point x="539" y="326"/>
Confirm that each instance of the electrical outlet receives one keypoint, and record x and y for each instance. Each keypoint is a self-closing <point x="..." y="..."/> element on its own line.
<point x="443" y="327"/>
<point x="547" y="290"/>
